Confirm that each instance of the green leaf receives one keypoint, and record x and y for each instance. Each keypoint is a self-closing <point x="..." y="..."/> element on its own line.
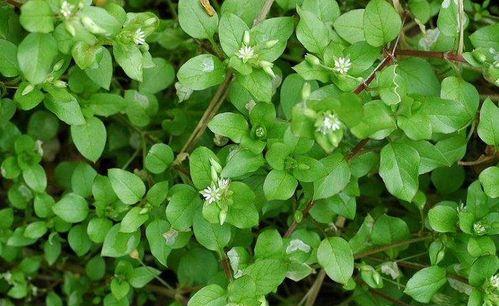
<point x="35" y="56"/>
<point x="245" y="10"/>
<point x="326" y="10"/>
<point x="95" y="268"/>
<point x="180" y="211"/>
<point x="35" y="178"/>
<point x="141" y="276"/>
<point x="399" y="169"/>
<point x="336" y="257"/>
<point x="350" y="26"/>
<point x="419" y="76"/>
<point x="269" y="244"/>
<point x="312" y="32"/>
<point x="65" y="106"/>
<point x="382" y="23"/>
<point x="479" y="246"/>
<point x="231" y="125"/>
<point x="291" y="92"/>
<point x="421" y="10"/>
<point x="242" y="211"/>
<point x="486" y="37"/>
<point x="103" y="22"/>
<point x="36" y="16"/>
<point x="106" y="104"/>
<point x="425" y="283"/>
<point x="90" y="138"/>
<point x="102" y="73"/>
<point x="8" y="59"/>
<point x="200" y="164"/>
<point x="35" y="230"/>
<point x="85" y="55"/>
<point x="463" y="93"/>
<point x="489" y="178"/>
<point x="448" y="18"/>
<point x="241" y="163"/>
<point x="267" y="274"/>
<point x="154" y="233"/>
<point x="274" y="29"/>
<point x="71" y="208"/>
<point x="258" y="83"/>
<point x="128" y="187"/>
<point x="129" y="58"/>
<point x="201" y="72"/>
<point x="78" y="240"/>
<point x="117" y="244"/>
<point x="212" y="236"/>
<point x="97" y="229"/>
<point x="211" y="295"/>
<point x="195" y="21"/>
<point x="159" y="158"/>
<point x="157" y="78"/>
<point x="443" y="218"/>
<point x="388" y="230"/>
<point x="487" y="126"/>
<point x="133" y="219"/>
<point x="482" y="269"/>
<point x="336" y="180"/>
<point x="231" y="29"/>
<point x="279" y="185"/>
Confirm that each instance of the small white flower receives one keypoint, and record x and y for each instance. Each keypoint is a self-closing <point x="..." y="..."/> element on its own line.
<point x="246" y="53"/>
<point x="390" y="268"/>
<point x="297" y="245"/>
<point x="139" y="37"/>
<point x="479" y="228"/>
<point x="170" y="236"/>
<point x="211" y="194"/>
<point x="342" y="65"/>
<point x="330" y="123"/>
<point x="66" y="9"/>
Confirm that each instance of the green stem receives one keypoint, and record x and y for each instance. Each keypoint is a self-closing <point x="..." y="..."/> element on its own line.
<point x="391" y="246"/>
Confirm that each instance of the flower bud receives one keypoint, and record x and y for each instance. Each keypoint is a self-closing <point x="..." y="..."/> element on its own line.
<point x="91" y="25"/>
<point x="134" y="254"/>
<point x="312" y="59"/>
<point x="305" y="91"/>
<point x="27" y="89"/>
<point x="246" y="38"/>
<point x="271" y="43"/>
<point x="58" y="65"/>
<point x="60" y="84"/>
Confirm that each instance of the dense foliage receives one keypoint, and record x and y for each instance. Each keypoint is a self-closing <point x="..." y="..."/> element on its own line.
<point x="249" y="152"/>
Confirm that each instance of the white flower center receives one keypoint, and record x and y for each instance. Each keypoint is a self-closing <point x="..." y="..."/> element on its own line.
<point x="342" y="65"/>
<point x="479" y="228"/>
<point x="66" y="9"/>
<point x="246" y="53"/>
<point x="330" y="123"/>
<point x="139" y="37"/>
<point x="215" y="192"/>
<point x="211" y="194"/>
